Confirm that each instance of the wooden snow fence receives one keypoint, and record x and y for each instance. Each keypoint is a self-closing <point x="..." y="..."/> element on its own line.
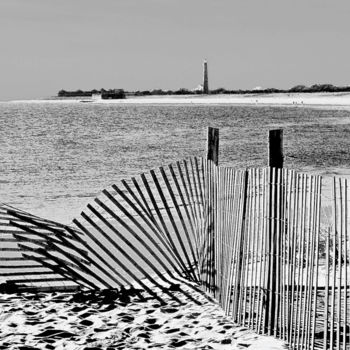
<point x="270" y="245"/>
<point x="277" y="253"/>
<point x="142" y="233"/>
<point x="36" y="253"/>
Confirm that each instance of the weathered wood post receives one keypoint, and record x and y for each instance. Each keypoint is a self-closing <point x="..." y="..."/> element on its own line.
<point x="213" y="145"/>
<point x="275" y="211"/>
<point x="276" y="148"/>
<point x="211" y="197"/>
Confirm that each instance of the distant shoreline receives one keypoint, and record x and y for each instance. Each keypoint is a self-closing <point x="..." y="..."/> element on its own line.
<point x="338" y="99"/>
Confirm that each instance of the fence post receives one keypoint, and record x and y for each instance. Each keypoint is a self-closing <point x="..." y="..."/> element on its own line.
<point x="275" y="210"/>
<point x="211" y="190"/>
<point x="276" y="148"/>
<point x="213" y="145"/>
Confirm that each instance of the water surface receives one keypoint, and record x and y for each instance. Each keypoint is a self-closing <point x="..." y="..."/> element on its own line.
<point x="56" y="157"/>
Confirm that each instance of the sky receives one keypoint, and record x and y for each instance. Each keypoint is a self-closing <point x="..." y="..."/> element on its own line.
<point x="48" y="45"/>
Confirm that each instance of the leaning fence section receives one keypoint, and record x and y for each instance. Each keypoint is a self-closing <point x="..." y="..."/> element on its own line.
<point x="147" y="229"/>
<point x="142" y="233"/>
<point x="36" y="254"/>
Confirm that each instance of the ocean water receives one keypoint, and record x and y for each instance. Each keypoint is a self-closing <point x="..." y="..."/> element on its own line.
<point x="56" y="157"/>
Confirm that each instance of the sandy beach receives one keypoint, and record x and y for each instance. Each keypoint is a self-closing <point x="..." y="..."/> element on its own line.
<point x="105" y="321"/>
<point x="321" y="100"/>
<point x="297" y="99"/>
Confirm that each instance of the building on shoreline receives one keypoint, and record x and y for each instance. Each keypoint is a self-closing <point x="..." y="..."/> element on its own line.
<point x="205" y="78"/>
<point x="203" y="88"/>
<point x="115" y="94"/>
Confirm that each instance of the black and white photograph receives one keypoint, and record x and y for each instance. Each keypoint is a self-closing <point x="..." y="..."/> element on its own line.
<point x="174" y="175"/>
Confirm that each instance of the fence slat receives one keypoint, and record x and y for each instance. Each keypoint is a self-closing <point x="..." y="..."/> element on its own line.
<point x="346" y="240"/>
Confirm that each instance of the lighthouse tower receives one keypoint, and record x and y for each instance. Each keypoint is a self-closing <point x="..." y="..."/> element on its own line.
<point x="205" y="78"/>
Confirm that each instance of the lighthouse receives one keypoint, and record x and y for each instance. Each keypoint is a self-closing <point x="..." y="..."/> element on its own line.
<point x="205" y="78"/>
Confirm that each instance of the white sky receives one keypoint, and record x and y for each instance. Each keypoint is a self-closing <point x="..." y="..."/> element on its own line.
<point x="48" y="45"/>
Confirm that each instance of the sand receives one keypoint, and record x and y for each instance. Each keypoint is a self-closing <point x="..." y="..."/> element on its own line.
<point x="339" y="100"/>
<point x="102" y="321"/>
<point x="297" y="99"/>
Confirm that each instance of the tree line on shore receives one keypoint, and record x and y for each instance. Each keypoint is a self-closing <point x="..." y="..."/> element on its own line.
<point x="116" y="93"/>
<point x="120" y="93"/>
